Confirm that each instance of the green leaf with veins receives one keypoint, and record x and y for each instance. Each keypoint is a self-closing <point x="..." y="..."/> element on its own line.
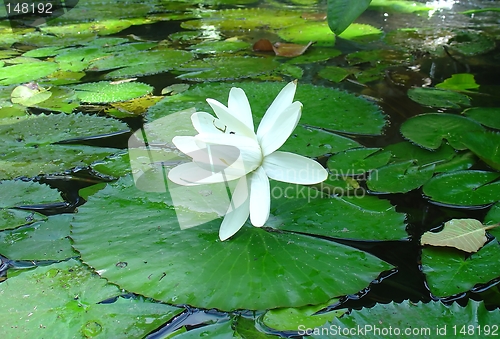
<point x="19" y="193"/>
<point x="63" y="300"/>
<point x="29" y="143"/>
<point x="282" y="268"/>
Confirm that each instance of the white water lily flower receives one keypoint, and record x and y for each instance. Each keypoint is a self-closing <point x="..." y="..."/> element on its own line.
<point x="227" y="148"/>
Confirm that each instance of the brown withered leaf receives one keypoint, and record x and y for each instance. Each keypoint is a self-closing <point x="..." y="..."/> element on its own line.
<point x="263" y="45"/>
<point x="290" y="50"/>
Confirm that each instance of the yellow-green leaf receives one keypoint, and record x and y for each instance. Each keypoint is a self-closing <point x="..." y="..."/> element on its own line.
<point x="468" y="235"/>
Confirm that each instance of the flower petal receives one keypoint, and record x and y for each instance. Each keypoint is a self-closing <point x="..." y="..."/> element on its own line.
<point x="205" y="122"/>
<point x="229" y="119"/>
<point x="293" y="168"/>
<point x="282" y="127"/>
<point x="238" y="104"/>
<point x="240" y="155"/>
<point x="190" y="174"/>
<point x="280" y="103"/>
<point x="237" y="212"/>
<point x="187" y="145"/>
<point x="260" y="197"/>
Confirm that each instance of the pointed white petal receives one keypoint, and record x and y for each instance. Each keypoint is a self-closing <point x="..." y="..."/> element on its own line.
<point x="293" y="168"/>
<point x="237" y="212"/>
<point x="281" y="129"/>
<point x="187" y="145"/>
<point x="231" y="122"/>
<point x="282" y="101"/>
<point x="238" y="104"/>
<point x="260" y="197"/>
<point x="205" y="122"/>
<point x="190" y="174"/>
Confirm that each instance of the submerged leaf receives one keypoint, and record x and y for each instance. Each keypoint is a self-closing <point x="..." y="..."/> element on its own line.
<point x="468" y="235"/>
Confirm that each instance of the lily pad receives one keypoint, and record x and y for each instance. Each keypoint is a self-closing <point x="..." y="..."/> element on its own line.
<point x="354" y="217"/>
<point x="487" y="116"/>
<point x="450" y="271"/>
<point x="428" y="130"/>
<point x="464" y="188"/>
<point x="29" y="149"/>
<point x="46" y="240"/>
<point x="78" y="59"/>
<point x="63" y="99"/>
<point x="357" y="161"/>
<point x="247" y="19"/>
<point x="18" y="193"/>
<point x="140" y="63"/>
<point x="459" y="82"/>
<point x="214" y="47"/>
<point x="435" y="97"/>
<point x="105" y="92"/>
<point x="324" y="108"/>
<point x="27" y="96"/>
<point x="70" y="291"/>
<point x="292" y="319"/>
<point x="315" y="54"/>
<point x="399" y="177"/>
<point x="227" y="68"/>
<point x="222" y="330"/>
<point x="493" y="217"/>
<point x="428" y="320"/>
<point x="309" y="31"/>
<point x="334" y="74"/>
<point x="276" y="270"/>
<point x="17" y="74"/>
<point x="485" y="146"/>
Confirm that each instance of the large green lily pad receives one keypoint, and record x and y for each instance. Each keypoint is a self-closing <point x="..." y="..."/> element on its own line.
<point x="464" y="188"/>
<point x="450" y="271"/>
<point x="20" y="193"/>
<point x="62" y="301"/>
<point x="324" y="108"/>
<point x="258" y="268"/>
<point x="20" y="73"/>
